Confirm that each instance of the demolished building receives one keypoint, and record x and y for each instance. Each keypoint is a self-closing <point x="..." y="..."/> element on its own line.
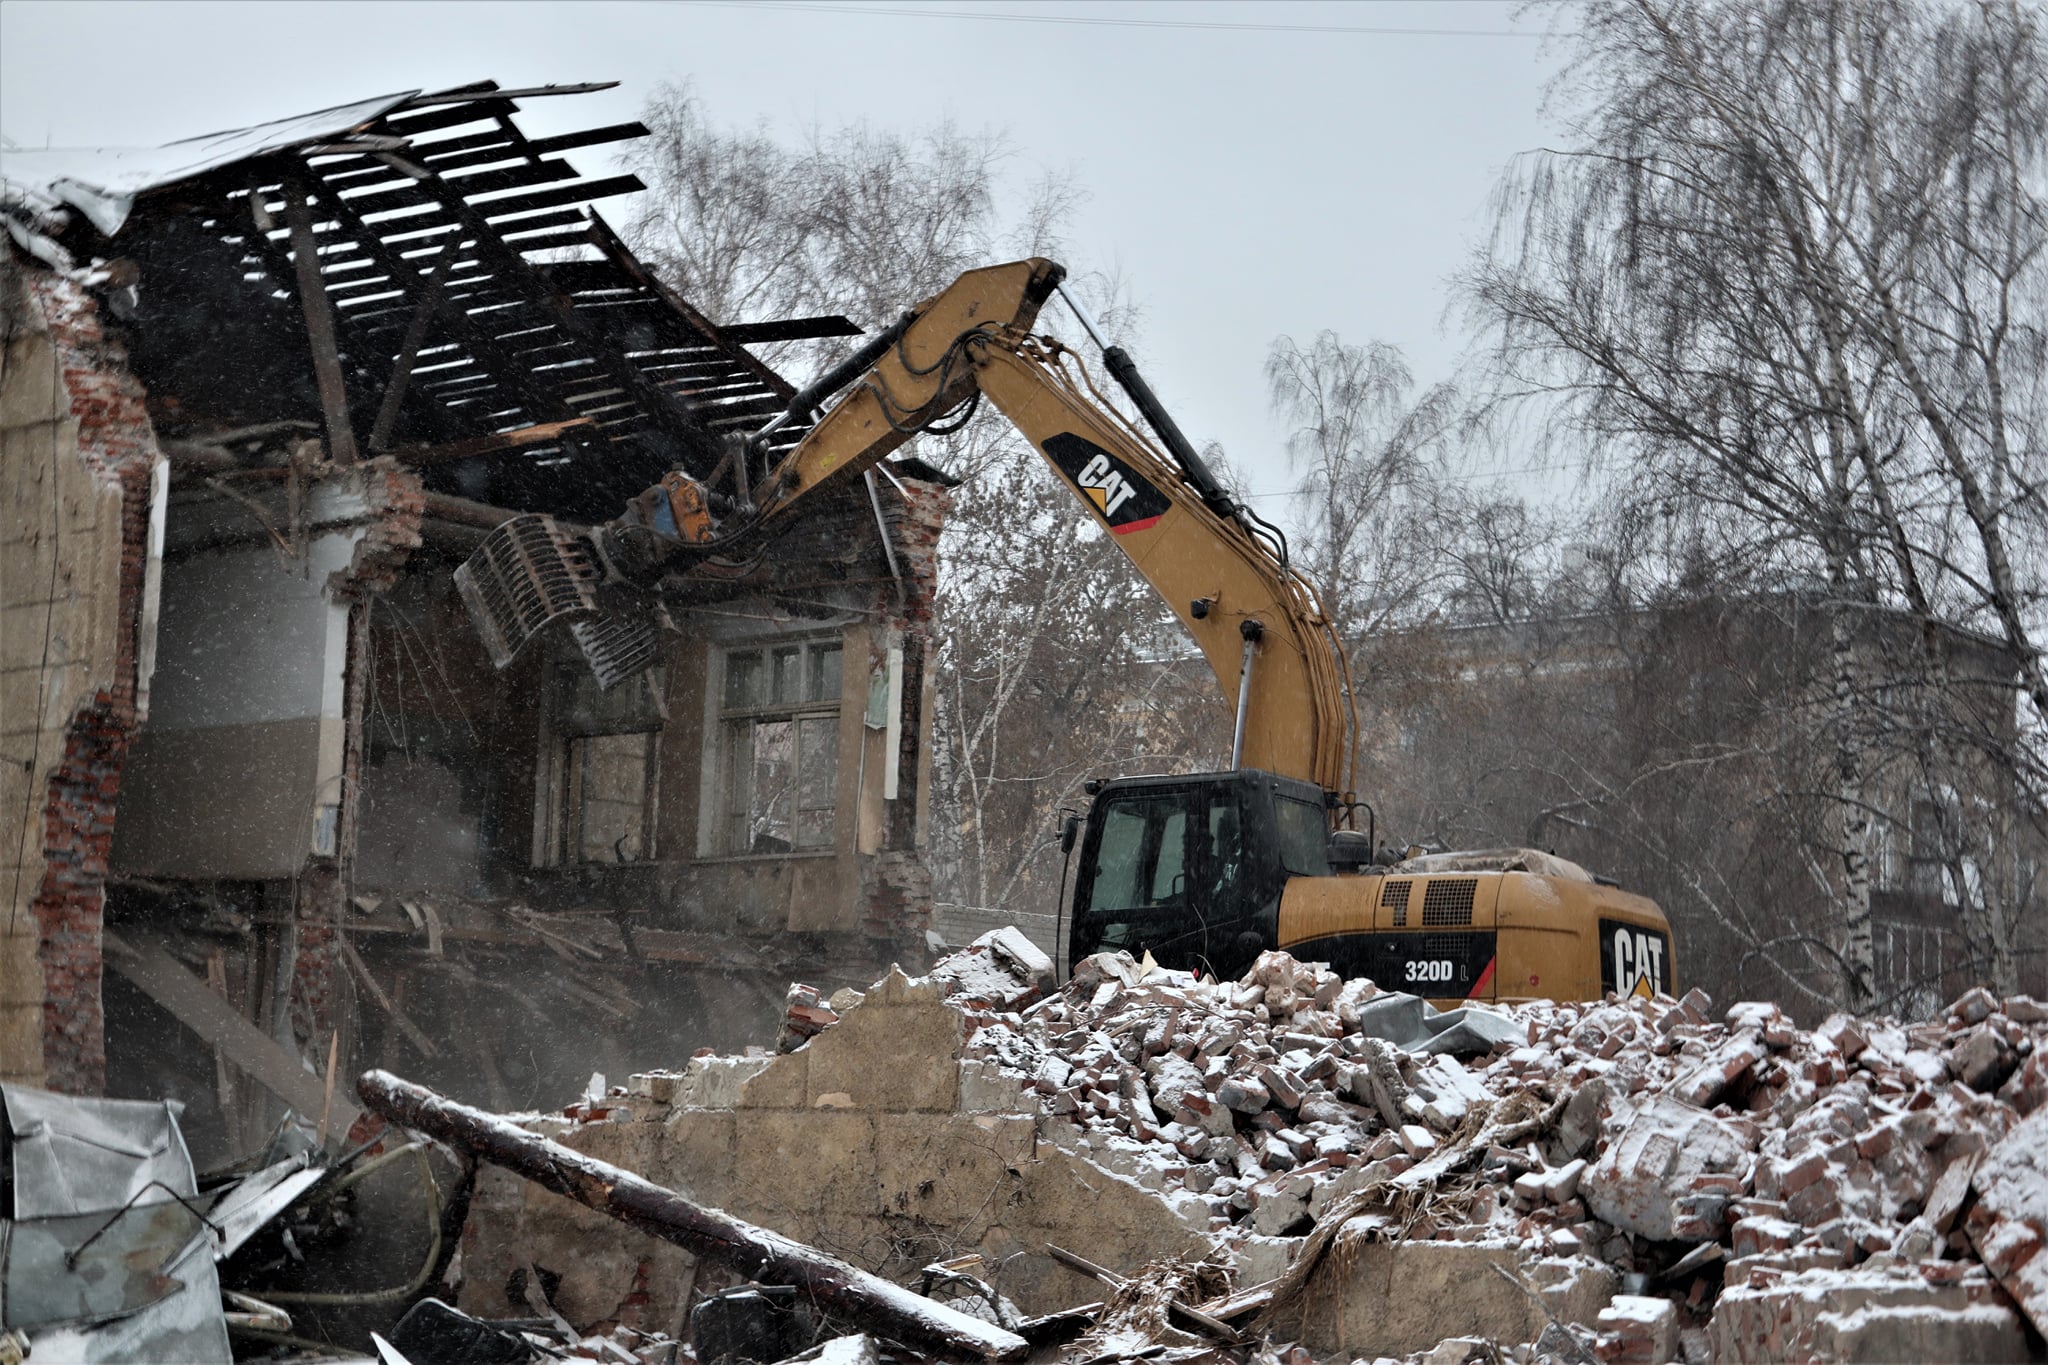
<point x="268" y="805"/>
<point x="279" y="820"/>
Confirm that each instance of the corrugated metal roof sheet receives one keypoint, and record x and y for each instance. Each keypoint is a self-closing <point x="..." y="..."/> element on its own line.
<point x="102" y="182"/>
<point x="461" y="259"/>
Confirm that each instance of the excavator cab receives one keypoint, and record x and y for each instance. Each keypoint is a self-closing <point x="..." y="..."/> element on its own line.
<point x="1190" y="868"/>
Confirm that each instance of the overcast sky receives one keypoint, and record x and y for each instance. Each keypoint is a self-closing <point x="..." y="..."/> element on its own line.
<point x="1247" y="178"/>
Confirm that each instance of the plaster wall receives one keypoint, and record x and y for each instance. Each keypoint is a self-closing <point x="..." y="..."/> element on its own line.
<point x="874" y="1142"/>
<point x="238" y="772"/>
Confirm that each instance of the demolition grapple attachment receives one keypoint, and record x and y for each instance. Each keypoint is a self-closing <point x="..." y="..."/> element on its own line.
<point x="528" y="575"/>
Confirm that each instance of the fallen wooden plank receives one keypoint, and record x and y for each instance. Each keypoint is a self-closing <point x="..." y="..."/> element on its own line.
<point x="538" y="434"/>
<point x="412" y="1031"/>
<point x="1239" y="1302"/>
<point x="863" y="1300"/>
<point x="1212" y="1325"/>
<point x="789" y="329"/>
<point x="523" y="93"/>
<point x="186" y="995"/>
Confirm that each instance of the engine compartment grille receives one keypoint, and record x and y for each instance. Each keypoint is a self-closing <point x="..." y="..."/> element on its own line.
<point x="1448" y="900"/>
<point x="1394" y="897"/>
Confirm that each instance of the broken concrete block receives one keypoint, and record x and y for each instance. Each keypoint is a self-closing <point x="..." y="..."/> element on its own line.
<point x="1983" y="1059"/>
<point x="2009" y="1224"/>
<point x="1950" y="1190"/>
<point x="1643" y="1330"/>
<point x="1864" y="1316"/>
<point x="1003" y="969"/>
<point x="1282" y="1085"/>
<point x="1458" y="1351"/>
<point x="2024" y="1009"/>
<point x="714" y="1082"/>
<point x="662" y="1087"/>
<point x="1561" y="1186"/>
<point x="1845" y="1033"/>
<point x="1973" y="1006"/>
<point x="1441" y="1289"/>
<point x="1755" y="1236"/>
<point x="1243" y="1094"/>
<point x="2027" y="1088"/>
<point x="1638" y="1183"/>
<point x="804" y="1016"/>
<point x="1418" y="1141"/>
<point x="1282" y="1211"/>
<point x="1580" y="1122"/>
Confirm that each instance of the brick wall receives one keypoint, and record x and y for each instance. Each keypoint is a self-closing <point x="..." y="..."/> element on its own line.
<point x="915" y="517"/>
<point x="76" y="459"/>
<point x="896" y="884"/>
<point x="396" y="499"/>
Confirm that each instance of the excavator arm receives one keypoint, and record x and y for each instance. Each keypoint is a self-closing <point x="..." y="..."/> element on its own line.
<point x="1257" y="621"/>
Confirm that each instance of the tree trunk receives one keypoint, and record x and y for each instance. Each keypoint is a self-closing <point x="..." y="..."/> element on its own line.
<point x="1858" y="939"/>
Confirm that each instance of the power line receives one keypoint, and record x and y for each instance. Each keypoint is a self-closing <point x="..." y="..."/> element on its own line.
<point x="1472" y="475"/>
<point x="1105" y="21"/>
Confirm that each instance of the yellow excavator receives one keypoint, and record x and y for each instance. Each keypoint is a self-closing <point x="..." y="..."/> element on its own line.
<point x="1203" y="870"/>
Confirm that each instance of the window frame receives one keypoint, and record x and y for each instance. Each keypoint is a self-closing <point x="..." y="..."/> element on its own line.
<point x="734" y="726"/>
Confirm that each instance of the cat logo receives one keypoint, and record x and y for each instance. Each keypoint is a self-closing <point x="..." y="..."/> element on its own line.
<point x="1634" y="961"/>
<point x="1120" y="496"/>
<point x="1109" y="489"/>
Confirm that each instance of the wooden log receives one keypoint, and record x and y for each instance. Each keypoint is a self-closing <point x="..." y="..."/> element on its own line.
<point x="863" y="1300"/>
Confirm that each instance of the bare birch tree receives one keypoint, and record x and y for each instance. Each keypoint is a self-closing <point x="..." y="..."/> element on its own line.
<point x="1368" y="448"/>
<point x="854" y="220"/>
<point x="1793" y="265"/>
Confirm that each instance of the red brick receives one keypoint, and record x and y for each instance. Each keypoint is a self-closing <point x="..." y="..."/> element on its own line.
<point x="117" y="445"/>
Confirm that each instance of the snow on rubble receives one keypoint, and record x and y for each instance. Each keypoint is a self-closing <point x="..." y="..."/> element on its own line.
<point x="1739" y="1157"/>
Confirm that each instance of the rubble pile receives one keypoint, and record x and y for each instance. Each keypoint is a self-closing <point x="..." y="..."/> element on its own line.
<point x="1699" y="1155"/>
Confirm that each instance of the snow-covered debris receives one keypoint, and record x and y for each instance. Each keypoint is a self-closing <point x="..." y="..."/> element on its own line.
<point x="1002" y="970"/>
<point x="2010" y="1221"/>
<point x="1868" y="1186"/>
<point x="1646" y="1133"/>
<point x="1669" y="1174"/>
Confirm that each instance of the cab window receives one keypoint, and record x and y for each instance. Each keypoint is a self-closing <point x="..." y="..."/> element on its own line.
<point x="1304" y="837"/>
<point x="1142" y="857"/>
<point x="1226" y="853"/>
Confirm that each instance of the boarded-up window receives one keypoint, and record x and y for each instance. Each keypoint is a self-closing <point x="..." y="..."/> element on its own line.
<point x="603" y="757"/>
<point x="779" y="727"/>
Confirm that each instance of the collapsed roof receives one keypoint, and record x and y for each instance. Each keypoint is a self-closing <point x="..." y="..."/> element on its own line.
<point x="416" y="276"/>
